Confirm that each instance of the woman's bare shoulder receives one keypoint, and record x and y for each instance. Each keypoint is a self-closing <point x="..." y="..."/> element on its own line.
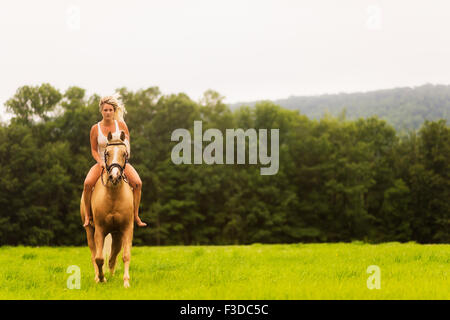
<point x="94" y="129"/>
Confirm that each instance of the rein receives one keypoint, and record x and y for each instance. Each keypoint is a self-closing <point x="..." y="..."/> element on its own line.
<point x="112" y="165"/>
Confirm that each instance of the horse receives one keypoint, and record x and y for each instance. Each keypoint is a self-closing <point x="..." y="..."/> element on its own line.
<point x="112" y="209"/>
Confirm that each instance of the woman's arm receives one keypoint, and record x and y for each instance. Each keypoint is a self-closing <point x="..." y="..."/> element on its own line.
<point x="94" y="145"/>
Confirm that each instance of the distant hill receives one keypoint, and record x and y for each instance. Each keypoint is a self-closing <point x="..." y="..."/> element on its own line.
<point x="404" y="108"/>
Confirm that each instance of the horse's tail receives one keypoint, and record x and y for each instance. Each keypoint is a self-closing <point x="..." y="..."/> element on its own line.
<point x="107" y="247"/>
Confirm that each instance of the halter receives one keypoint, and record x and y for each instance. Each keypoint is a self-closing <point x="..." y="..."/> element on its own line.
<point x="112" y="165"/>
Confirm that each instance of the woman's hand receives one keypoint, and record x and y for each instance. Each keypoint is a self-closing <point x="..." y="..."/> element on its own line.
<point x="102" y="164"/>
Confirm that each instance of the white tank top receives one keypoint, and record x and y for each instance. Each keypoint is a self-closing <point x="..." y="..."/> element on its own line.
<point x="102" y="140"/>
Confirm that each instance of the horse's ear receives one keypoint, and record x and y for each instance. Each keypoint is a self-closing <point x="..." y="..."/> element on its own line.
<point x="122" y="135"/>
<point x="109" y="136"/>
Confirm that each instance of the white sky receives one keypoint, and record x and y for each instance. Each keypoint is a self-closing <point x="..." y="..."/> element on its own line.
<point x="245" y="50"/>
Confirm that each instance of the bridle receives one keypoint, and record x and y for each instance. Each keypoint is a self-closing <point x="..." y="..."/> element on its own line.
<point x="112" y="165"/>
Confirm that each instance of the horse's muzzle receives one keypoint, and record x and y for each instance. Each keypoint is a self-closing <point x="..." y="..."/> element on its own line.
<point x="115" y="180"/>
<point x="115" y="173"/>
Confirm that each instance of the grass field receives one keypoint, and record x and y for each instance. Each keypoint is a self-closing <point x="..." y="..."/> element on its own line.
<point x="298" y="271"/>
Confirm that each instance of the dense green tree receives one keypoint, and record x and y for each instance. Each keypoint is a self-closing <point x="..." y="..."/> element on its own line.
<point x="31" y="102"/>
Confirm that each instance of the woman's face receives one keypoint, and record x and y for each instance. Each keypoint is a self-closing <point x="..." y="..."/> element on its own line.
<point x="108" y="112"/>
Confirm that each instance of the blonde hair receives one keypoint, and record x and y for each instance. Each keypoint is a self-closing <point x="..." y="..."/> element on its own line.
<point x="114" y="100"/>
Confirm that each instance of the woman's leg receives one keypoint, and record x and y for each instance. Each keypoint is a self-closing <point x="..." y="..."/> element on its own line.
<point x="136" y="184"/>
<point x="89" y="183"/>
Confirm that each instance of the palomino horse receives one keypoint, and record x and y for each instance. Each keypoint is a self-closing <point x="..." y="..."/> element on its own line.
<point x="112" y="209"/>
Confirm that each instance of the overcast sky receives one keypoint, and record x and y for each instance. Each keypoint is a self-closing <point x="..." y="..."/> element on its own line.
<point x="245" y="50"/>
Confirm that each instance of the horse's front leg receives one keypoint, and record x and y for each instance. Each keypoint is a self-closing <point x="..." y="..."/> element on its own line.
<point x="115" y="249"/>
<point x="126" y="256"/>
<point x="91" y="244"/>
<point x="99" y="237"/>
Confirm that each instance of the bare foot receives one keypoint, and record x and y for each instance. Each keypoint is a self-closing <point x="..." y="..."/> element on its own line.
<point x="139" y="222"/>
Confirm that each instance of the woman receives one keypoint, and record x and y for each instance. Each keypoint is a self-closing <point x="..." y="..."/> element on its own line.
<point x="112" y="112"/>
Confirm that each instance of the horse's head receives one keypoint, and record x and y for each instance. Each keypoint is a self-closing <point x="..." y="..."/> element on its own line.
<point x="116" y="157"/>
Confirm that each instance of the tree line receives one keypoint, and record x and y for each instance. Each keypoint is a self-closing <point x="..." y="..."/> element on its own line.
<point x="403" y="108"/>
<point x="338" y="179"/>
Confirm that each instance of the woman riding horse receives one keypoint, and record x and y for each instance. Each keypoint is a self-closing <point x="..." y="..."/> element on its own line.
<point x="112" y="207"/>
<point x="112" y="112"/>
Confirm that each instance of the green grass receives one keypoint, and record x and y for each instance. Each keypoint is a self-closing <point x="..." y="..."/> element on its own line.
<point x="298" y="271"/>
